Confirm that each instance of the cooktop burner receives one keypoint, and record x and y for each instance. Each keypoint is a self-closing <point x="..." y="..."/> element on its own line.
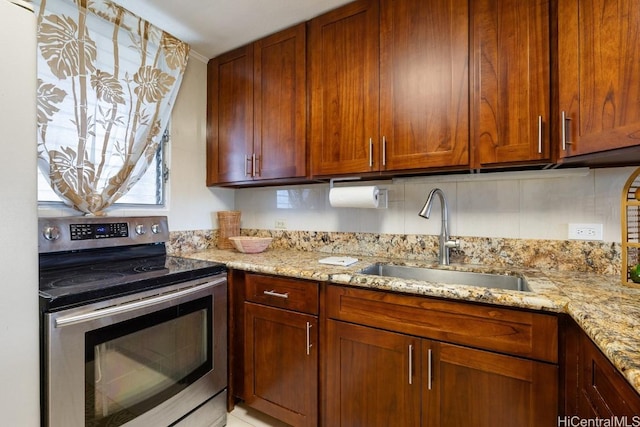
<point x="83" y="279"/>
<point x="98" y="274"/>
<point x="61" y="288"/>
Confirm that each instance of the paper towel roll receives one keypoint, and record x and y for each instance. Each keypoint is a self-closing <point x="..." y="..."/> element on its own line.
<point x="354" y="197"/>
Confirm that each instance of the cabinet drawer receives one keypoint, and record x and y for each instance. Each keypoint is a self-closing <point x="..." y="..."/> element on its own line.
<point x="297" y="295"/>
<point x="521" y="333"/>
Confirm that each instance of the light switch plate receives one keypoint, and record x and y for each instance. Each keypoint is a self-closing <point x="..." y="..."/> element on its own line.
<point x="586" y="232"/>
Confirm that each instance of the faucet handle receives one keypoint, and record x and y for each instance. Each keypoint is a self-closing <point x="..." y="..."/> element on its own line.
<point x="452" y="243"/>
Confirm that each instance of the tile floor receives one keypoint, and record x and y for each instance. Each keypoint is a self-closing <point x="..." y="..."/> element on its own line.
<point x="242" y="416"/>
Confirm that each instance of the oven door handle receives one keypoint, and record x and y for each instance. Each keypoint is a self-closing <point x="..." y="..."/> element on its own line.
<point x="132" y="306"/>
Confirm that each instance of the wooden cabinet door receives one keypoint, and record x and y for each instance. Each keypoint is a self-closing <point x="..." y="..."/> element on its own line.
<point x="511" y="92"/>
<point x="280" y="105"/>
<point x="599" y="65"/>
<point x="230" y="116"/>
<point x="373" y="377"/>
<point x="602" y="390"/>
<point x="424" y="86"/>
<point x="281" y="364"/>
<point x="468" y="387"/>
<point x="257" y="111"/>
<point x="344" y="90"/>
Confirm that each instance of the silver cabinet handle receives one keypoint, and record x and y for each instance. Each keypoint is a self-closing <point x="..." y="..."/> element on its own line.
<point x="384" y="150"/>
<point x="565" y="142"/>
<point x="308" y="338"/>
<point x="247" y="170"/>
<point x="539" y="134"/>
<point x="254" y="162"/>
<point x="370" y="152"/>
<point x="273" y="293"/>
<point x="410" y="364"/>
<point x="429" y="377"/>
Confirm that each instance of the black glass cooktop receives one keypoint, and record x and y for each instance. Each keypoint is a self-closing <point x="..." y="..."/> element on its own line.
<point x="63" y="286"/>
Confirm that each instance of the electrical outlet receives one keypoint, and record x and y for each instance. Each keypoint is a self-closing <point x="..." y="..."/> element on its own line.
<point x="281" y="224"/>
<point x="585" y="232"/>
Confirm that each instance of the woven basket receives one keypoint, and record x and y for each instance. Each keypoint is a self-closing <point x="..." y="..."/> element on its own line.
<point x="228" y="226"/>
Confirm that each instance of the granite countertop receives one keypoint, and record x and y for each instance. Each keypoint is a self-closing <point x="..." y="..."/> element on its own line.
<point x="605" y="309"/>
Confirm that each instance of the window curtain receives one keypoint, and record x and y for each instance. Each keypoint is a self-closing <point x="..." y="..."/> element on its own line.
<point x="107" y="81"/>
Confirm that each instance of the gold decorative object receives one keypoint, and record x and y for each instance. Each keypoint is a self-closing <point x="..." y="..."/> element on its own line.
<point x="630" y="215"/>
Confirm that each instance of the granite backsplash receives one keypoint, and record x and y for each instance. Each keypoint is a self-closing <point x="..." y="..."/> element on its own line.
<point x="559" y="255"/>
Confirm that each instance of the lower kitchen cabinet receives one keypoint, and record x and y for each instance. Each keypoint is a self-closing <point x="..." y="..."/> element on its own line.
<point x="468" y="387"/>
<point x="595" y="388"/>
<point x="277" y="345"/>
<point x="314" y="354"/>
<point x="602" y="391"/>
<point x="381" y="378"/>
<point x="388" y="364"/>
<point x="281" y="364"/>
<point x="373" y="377"/>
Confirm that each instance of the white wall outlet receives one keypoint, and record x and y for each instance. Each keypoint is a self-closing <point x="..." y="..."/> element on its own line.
<point x="281" y="224"/>
<point x="585" y="232"/>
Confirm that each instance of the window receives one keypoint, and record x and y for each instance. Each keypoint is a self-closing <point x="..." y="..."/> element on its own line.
<point x="149" y="191"/>
<point x="107" y="81"/>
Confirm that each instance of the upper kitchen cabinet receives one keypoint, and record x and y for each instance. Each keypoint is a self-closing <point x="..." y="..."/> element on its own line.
<point x="424" y="84"/>
<point x="344" y="90"/>
<point x="598" y="70"/>
<point x="389" y="87"/>
<point x="229" y="116"/>
<point x="511" y="82"/>
<point x="257" y="112"/>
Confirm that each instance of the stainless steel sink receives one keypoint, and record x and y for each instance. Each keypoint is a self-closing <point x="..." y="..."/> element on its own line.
<point x="452" y="277"/>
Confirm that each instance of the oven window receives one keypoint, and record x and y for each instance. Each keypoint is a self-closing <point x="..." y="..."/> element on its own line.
<point x="135" y="365"/>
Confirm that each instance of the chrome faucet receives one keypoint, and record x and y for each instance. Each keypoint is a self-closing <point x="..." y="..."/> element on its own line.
<point x="445" y="243"/>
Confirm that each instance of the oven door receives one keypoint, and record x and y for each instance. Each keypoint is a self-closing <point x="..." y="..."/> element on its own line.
<point x="145" y="359"/>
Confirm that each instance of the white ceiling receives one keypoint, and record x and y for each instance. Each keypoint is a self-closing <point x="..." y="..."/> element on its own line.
<point x="212" y="27"/>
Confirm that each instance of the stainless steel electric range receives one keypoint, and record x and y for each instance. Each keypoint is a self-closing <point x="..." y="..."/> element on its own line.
<point x="129" y="335"/>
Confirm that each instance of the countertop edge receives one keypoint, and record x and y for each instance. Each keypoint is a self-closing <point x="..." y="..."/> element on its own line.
<point x="588" y="299"/>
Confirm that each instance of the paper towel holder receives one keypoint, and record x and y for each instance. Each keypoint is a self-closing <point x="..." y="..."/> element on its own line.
<point x="383" y="193"/>
<point x="383" y="198"/>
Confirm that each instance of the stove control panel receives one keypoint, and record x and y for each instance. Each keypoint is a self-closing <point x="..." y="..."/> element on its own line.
<point x="98" y="231"/>
<point x="76" y="233"/>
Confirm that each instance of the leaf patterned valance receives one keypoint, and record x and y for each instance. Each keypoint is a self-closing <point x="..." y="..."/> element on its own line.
<point x="107" y="81"/>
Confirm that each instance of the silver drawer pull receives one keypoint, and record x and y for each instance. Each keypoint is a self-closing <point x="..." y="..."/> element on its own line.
<point x="429" y="375"/>
<point x="273" y="293"/>
<point x="308" y="338"/>
<point x="410" y="364"/>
